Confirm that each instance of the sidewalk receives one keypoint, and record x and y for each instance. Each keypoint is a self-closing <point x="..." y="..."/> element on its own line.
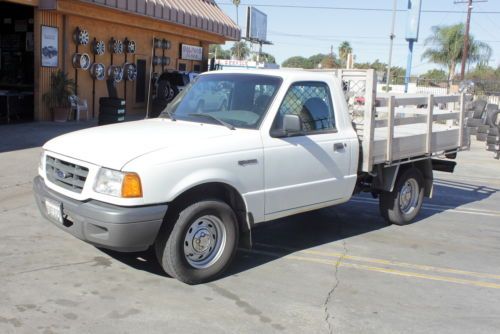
<point x="28" y="135"/>
<point x="34" y="134"/>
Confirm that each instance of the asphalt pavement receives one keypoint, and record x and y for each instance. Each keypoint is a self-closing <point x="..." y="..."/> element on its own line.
<point x="337" y="270"/>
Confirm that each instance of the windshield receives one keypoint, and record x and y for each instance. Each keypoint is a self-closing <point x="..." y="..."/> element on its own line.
<point x="240" y="100"/>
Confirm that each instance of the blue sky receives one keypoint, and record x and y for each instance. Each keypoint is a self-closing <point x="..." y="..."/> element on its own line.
<point x="306" y="32"/>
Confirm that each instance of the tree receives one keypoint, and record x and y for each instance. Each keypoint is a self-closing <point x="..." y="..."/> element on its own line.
<point x="486" y="79"/>
<point x="344" y="49"/>
<point x="265" y="57"/>
<point x="218" y="52"/>
<point x="434" y="75"/>
<point x="297" y="62"/>
<point x="314" y="61"/>
<point x="329" y="62"/>
<point x="446" y="46"/>
<point x="397" y="73"/>
<point x="240" y="50"/>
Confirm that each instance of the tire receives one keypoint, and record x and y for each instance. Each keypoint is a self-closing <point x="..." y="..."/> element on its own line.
<point x="112" y="111"/>
<point x="472" y="131"/>
<point x="494" y="131"/>
<point x="478" y="114"/>
<point x="474" y="122"/>
<point x="397" y="210"/>
<point x="492" y="117"/>
<point x="183" y="250"/>
<point x="166" y="91"/>
<point x="495" y="140"/>
<point x="493" y="148"/>
<point x="111" y="102"/>
<point x="483" y="129"/>
<point x="481" y="136"/>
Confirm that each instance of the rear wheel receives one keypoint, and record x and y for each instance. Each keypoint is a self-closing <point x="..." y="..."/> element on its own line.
<point x="403" y="204"/>
<point x="201" y="243"/>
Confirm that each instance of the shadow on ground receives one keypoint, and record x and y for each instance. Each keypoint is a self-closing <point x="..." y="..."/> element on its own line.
<point x="28" y="135"/>
<point x="312" y="229"/>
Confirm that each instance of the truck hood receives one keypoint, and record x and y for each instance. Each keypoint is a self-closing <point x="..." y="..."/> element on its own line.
<point x="112" y="146"/>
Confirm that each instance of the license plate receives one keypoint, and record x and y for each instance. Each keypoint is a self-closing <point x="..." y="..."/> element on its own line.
<point x="54" y="210"/>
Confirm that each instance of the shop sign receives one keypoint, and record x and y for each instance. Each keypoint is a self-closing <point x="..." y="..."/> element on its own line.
<point x="50" y="46"/>
<point x="191" y="52"/>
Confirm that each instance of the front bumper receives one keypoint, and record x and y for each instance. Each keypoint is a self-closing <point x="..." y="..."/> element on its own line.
<point x="125" y="229"/>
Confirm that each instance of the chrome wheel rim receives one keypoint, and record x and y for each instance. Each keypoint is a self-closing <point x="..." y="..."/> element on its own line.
<point x="408" y="196"/>
<point x="204" y="241"/>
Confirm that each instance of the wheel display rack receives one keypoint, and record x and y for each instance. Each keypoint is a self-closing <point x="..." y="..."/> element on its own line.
<point x="97" y="70"/>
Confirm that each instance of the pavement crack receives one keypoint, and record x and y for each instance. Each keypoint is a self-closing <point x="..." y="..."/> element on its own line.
<point x="51" y="267"/>
<point x="328" y="316"/>
<point x="16" y="185"/>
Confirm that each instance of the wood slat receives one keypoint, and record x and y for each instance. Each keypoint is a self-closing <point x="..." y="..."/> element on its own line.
<point x="369" y="123"/>
<point x="430" y="120"/>
<point x="390" y="128"/>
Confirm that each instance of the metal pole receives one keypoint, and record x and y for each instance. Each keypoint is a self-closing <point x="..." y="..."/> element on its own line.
<point x="391" y="36"/>
<point x="237" y="16"/>
<point x="150" y="77"/>
<point x="260" y="53"/>
<point x="408" y="65"/>
<point x="465" y="53"/>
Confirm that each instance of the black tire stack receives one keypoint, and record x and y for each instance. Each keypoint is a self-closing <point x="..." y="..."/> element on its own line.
<point x="493" y="133"/>
<point x="111" y="110"/>
<point x="475" y="119"/>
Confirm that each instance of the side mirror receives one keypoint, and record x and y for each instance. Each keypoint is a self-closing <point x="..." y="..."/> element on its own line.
<point x="290" y="125"/>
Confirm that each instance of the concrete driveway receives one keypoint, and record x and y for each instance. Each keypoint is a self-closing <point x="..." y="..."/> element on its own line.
<point x="338" y="270"/>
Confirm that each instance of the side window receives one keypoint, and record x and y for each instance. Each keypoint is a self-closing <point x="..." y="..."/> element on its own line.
<point x="311" y="101"/>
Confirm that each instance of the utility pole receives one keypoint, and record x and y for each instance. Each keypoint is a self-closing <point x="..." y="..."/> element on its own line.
<point x="236" y="4"/>
<point x="465" y="52"/>
<point x="391" y="36"/>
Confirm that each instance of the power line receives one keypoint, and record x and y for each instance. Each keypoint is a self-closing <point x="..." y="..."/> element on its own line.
<point x="357" y="8"/>
<point x="342" y="38"/>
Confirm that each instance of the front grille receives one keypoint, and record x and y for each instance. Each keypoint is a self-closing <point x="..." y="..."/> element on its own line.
<point x="65" y="174"/>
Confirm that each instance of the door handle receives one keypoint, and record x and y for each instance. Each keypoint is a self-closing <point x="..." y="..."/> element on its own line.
<point x="339" y="146"/>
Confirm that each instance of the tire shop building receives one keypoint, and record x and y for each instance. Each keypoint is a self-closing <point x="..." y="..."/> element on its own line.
<point x="94" y="40"/>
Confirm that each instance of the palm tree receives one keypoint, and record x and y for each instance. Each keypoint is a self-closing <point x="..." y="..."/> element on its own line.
<point x="240" y="50"/>
<point x="446" y="46"/>
<point x="344" y="50"/>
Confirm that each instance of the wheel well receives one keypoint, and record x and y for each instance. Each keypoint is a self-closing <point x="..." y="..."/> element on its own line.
<point x="223" y="192"/>
<point x="424" y="167"/>
<point x="386" y="176"/>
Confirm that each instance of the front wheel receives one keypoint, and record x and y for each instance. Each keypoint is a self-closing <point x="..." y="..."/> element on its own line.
<point x="403" y="204"/>
<point x="201" y="243"/>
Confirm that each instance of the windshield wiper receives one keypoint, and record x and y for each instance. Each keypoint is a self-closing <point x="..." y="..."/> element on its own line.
<point x="170" y="114"/>
<point x="227" y="125"/>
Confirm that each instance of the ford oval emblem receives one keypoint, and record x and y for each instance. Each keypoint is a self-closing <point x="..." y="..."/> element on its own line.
<point x="60" y="174"/>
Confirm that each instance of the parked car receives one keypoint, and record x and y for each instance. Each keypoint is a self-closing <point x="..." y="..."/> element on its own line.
<point x="49" y="51"/>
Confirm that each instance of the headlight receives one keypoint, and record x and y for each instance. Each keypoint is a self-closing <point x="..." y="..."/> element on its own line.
<point x="41" y="162"/>
<point x="118" y="184"/>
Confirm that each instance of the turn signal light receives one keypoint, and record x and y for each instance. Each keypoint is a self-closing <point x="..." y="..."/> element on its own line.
<point x="131" y="186"/>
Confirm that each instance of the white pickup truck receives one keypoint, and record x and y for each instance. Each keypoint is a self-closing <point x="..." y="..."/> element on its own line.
<point x="195" y="181"/>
